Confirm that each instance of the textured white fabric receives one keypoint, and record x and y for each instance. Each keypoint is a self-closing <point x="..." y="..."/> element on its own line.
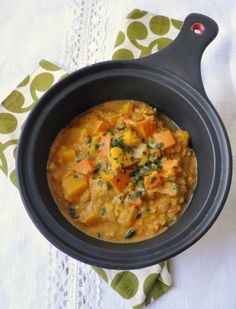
<point x="36" y="275"/>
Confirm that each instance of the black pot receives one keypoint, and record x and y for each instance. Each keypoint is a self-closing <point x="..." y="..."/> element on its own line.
<point x="169" y="80"/>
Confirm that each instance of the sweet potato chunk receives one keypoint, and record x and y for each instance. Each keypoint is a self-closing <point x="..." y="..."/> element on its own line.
<point x="130" y="138"/>
<point x="85" y="167"/>
<point x="66" y="155"/>
<point x="152" y="181"/>
<point x="89" y="216"/>
<point x="73" y="187"/>
<point x="105" y="145"/>
<point x="146" y="127"/>
<point x="120" y="181"/>
<point x="169" y="167"/>
<point x="127" y="216"/>
<point x="166" y="138"/>
<point x="102" y="126"/>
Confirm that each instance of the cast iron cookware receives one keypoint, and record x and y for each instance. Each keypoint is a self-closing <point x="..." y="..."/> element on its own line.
<point x="169" y="80"/>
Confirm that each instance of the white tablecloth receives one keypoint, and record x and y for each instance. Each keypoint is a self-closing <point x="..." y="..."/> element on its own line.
<point x="205" y="274"/>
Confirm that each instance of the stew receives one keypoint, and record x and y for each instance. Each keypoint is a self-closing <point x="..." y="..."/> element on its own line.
<point x="122" y="171"/>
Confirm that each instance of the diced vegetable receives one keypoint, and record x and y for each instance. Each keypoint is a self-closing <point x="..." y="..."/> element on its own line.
<point x="105" y="145"/>
<point x="73" y="187"/>
<point x="127" y="108"/>
<point x="169" y="167"/>
<point x="166" y="138"/>
<point x="127" y="216"/>
<point x="140" y="151"/>
<point x="170" y="189"/>
<point x="115" y="157"/>
<point x="102" y="126"/>
<point x="66" y="155"/>
<point x="120" y="180"/>
<point x="130" y="138"/>
<point x="85" y="166"/>
<point x="146" y="127"/>
<point x="89" y="216"/>
<point x="152" y="181"/>
<point x="113" y="120"/>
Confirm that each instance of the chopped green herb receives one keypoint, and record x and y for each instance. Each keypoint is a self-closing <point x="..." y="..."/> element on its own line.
<point x="132" y="174"/>
<point x="126" y="149"/>
<point x="153" y="179"/>
<point x="122" y="165"/>
<point x="139" y="215"/>
<point x="97" y="146"/>
<point x="170" y="180"/>
<point x="75" y="176"/>
<point x="120" y="128"/>
<point x="130" y="233"/>
<point x="99" y="183"/>
<point x="109" y="186"/>
<point x="98" y="166"/>
<point x="98" y="235"/>
<point x="103" y="211"/>
<point x="138" y="177"/>
<point x="156" y="165"/>
<point x="151" y="145"/>
<point x="159" y="145"/>
<point x="175" y="187"/>
<point x="146" y="166"/>
<point x="72" y="213"/>
<point x="135" y="168"/>
<point x="110" y="131"/>
<point x="88" y="140"/>
<point x="117" y="142"/>
<point x="145" y="209"/>
<point x="153" y="154"/>
<point x="135" y="195"/>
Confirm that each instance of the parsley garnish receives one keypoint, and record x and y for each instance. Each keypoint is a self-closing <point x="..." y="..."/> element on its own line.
<point x="175" y="187"/>
<point x="153" y="179"/>
<point x="98" y="166"/>
<point x="103" y="211"/>
<point x="110" y="131"/>
<point x="75" y="176"/>
<point x="99" y="183"/>
<point x="151" y="145"/>
<point x="159" y="145"/>
<point x="135" y="195"/>
<point x="72" y="213"/>
<point x="109" y="186"/>
<point x="88" y="140"/>
<point x="130" y="233"/>
<point x="117" y="142"/>
<point x="156" y="165"/>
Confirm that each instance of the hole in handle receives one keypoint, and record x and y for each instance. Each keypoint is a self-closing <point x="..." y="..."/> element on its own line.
<point x="198" y="28"/>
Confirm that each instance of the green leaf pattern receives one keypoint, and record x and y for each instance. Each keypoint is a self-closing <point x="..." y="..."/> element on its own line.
<point x="15" y="109"/>
<point x="142" y="34"/>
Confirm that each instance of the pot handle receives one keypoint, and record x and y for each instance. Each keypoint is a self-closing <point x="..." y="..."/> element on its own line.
<point x="183" y="56"/>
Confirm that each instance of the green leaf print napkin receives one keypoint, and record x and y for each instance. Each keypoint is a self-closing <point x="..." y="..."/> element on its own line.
<point x="141" y="34"/>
